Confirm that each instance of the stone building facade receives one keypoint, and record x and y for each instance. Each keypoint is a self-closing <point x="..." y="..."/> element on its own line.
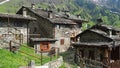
<point x="97" y="46"/>
<point x="51" y="24"/>
<point x="14" y="28"/>
<point x="46" y="46"/>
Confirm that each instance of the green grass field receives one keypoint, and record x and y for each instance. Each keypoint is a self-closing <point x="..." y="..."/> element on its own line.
<point x="15" y="60"/>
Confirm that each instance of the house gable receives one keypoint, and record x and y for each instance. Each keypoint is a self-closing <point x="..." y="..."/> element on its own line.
<point x="90" y="36"/>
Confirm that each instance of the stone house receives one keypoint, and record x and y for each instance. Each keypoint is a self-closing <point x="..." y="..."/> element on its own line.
<point x="98" y="46"/>
<point x="51" y="24"/>
<point x="14" y="28"/>
<point x="45" y="46"/>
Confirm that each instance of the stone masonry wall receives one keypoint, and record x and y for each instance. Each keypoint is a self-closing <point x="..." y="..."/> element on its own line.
<point x="42" y="26"/>
<point x="12" y="31"/>
<point x="55" y="64"/>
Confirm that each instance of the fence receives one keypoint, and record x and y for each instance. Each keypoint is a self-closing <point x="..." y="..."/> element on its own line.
<point x="89" y="63"/>
<point x="41" y="58"/>
<point x="115" y="64"/>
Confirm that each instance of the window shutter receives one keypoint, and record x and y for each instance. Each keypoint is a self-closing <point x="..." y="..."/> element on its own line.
<point x="45" y="46"/>
<point x="62" y="41"/>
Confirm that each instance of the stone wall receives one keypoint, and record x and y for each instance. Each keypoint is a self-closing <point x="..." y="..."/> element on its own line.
<point x="55" y="64"/>
<point x="15" y="30"/>
<point x="42" y="26"/>
<point x="63" y="32"/>
<point x="37" y="47"/>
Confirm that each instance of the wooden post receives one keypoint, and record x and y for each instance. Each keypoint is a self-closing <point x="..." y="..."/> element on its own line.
<point x="32" y="64"/>
<point x="56" y="52"/>
<point x="20" y="38"/>
<point x="106" y="59"/>
<point x="119" y="52"/>
<point x="109" y="56"/>
<point x="41" y="57"/>
<point x="51" y="58"/>
<point x="10" y="46"/>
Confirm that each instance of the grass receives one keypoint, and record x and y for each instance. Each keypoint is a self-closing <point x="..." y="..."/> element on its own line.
<point x="12" y="6"/>
<point x="63" y="66"/>
<point x="15" y="60"/>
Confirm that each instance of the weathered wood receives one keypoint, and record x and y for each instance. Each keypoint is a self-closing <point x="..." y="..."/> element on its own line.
<point x="115" y="64"/>
<point x="10" y="46"/>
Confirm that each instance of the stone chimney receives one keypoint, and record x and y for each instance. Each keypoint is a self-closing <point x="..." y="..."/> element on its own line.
<point x="24" y="12"/>
<point x="110" y="32"/>
<point x="32" y="6"/>
<point x="78" y="16"/>
<point x="99" y="21"/>
<point x="50" y="15"/>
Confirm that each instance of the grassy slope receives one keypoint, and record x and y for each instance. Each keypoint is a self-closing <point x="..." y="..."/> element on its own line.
<point x="12" y="6"/>
<point x="14" y="60"/>
<point x="84" y="10"/>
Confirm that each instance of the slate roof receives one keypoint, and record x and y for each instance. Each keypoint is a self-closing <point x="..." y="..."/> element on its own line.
<point x="41" y="12"/>
<point x="105" y="27"/>
<point x="97" y="44"/>
<point x="100" y="44"/>
<point x="16" y="16"/>
<point x="61" y="21"/>
<point x="44" y="13"/>
<point x="43" y="39"/>
<point x="99" y="32"/>
<point x="102" y="30"/>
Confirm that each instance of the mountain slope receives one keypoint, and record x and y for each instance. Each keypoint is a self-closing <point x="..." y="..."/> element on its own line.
<point x="113" y="5"/>
<point x="88" y="9"/>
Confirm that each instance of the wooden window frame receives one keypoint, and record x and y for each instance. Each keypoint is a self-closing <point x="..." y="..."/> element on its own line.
<point x="62" y="42"/>
<point x="45" y="46"/>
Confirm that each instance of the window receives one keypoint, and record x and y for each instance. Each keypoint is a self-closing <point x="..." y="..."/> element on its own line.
<point x="91" y="54"/>
<point x="62" y="42"/>
<point x="44" y="46"/>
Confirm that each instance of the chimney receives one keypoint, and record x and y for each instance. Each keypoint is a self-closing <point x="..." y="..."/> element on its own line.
<point x="24" y="12"/>
<point x="78" y="16"/>
<point x="50" y="15"/>
<point x="99" y="21"/>
<point x="110" y="32"/>
<point x="33" y="6"/>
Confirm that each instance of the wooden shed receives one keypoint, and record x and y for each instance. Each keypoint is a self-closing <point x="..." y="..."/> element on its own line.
<point x="98" y="47"/>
